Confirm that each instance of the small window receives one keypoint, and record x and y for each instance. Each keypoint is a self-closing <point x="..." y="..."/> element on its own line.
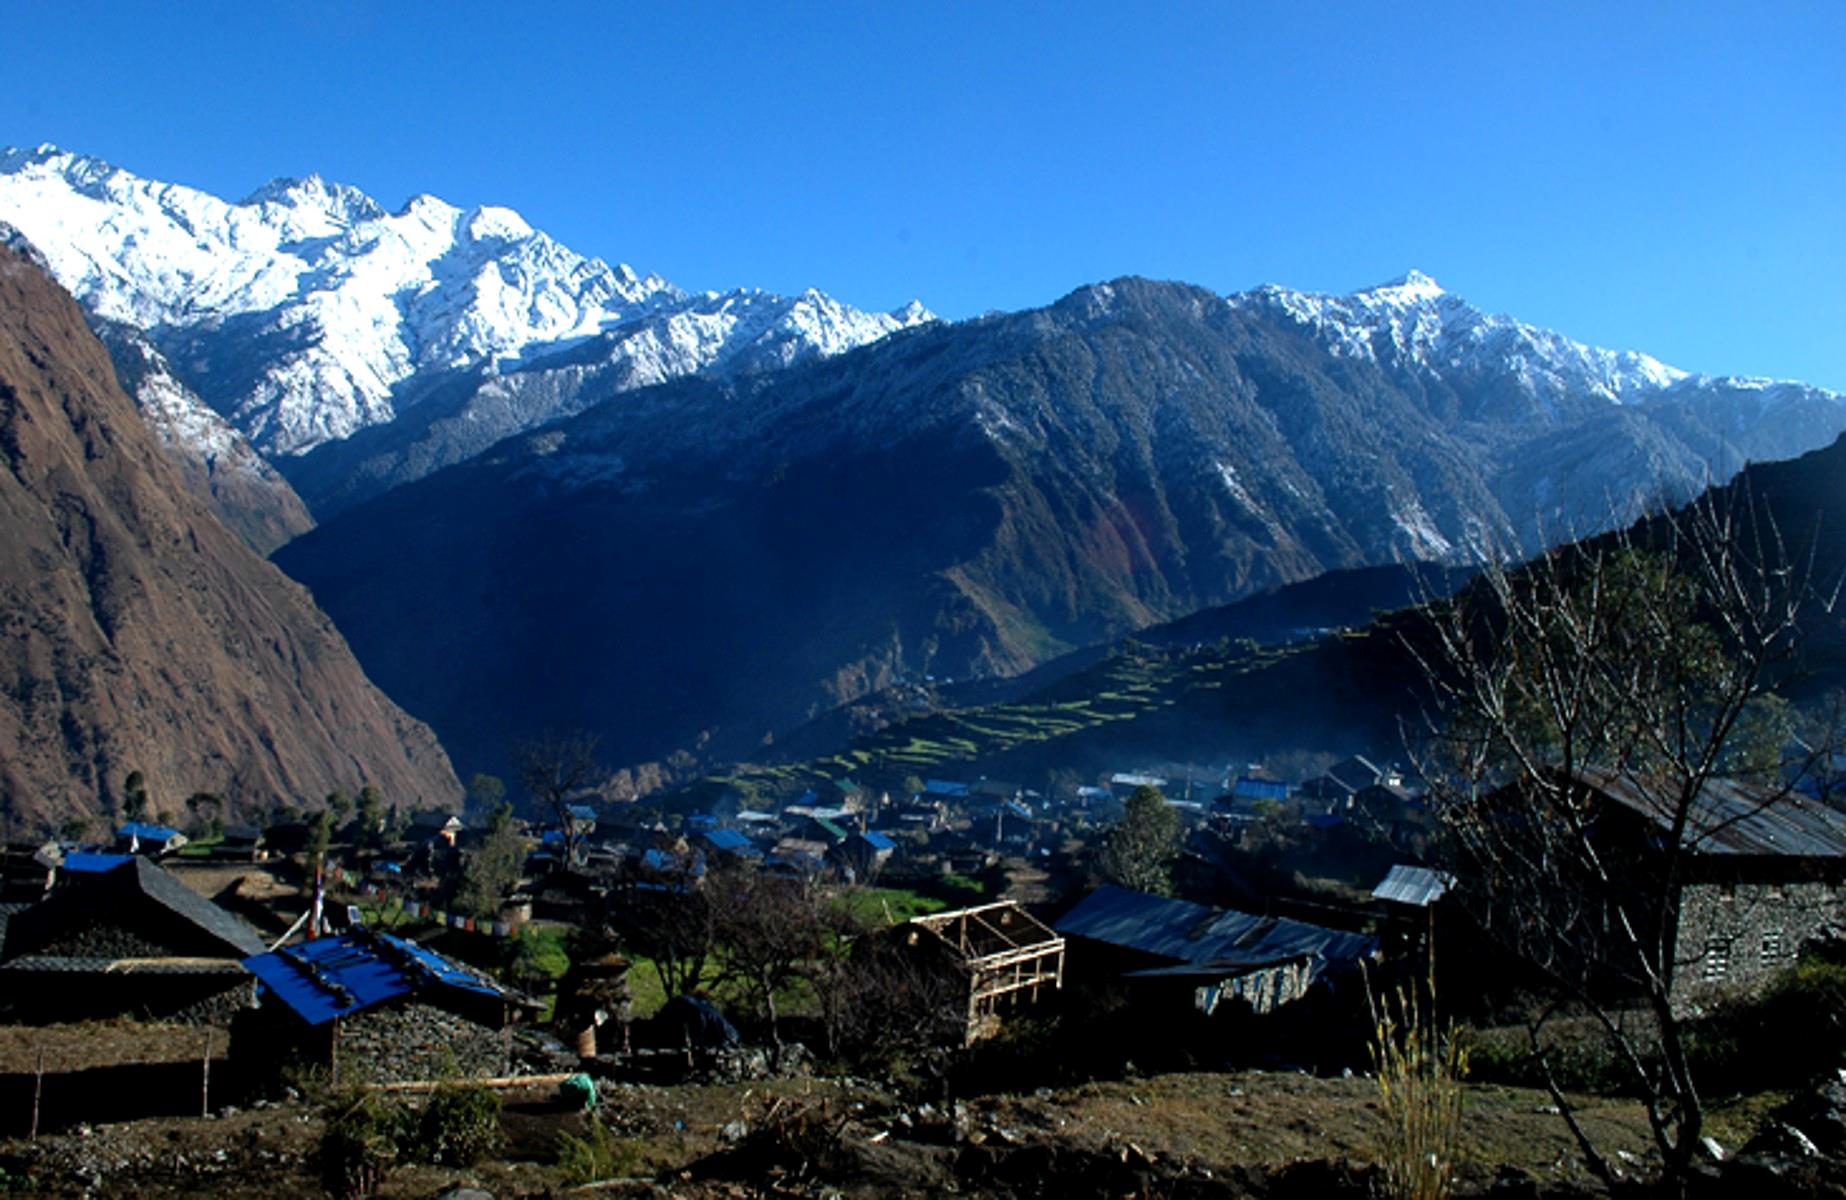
<point x="1727" y="892"/>
<point x="1772" y="947"/>
<point x="1717" y="959"/>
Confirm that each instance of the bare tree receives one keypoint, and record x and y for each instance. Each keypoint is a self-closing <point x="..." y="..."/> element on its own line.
<point x="556" y="768"/>
<point x="1638" y="664"/>
<point x="771" y="929"/>
<point x="672" y="922"/>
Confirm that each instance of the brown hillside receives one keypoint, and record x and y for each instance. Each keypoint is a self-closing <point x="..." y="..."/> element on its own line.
<point x="136" y="632"/>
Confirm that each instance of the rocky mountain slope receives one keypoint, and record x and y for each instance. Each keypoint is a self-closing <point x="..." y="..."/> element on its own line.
<point x="139" y="633"/>
<point x="1174" y="692"/>
<point x="712" y="562"/>
<point x="306" y="312"/>
<point x="217" y="463"/>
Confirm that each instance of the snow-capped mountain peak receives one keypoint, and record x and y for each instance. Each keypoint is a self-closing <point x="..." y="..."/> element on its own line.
<point x="1411" y="324"/>
<point x="1409" y="288"/>
<point x="363" y="303"/>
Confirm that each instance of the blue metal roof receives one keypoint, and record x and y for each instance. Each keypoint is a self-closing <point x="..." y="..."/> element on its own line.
<point x="338" y="976"/>
<point x="89" y="862"/>
<point x="1191" y="933"/>
<point x="147" y="833"/>
<point x="1247" y="788"/>
<point x="878" y="841"/>
<point x="726" y="839"/>
<point x="581" y="812"/>
<point x="944" y="787"/>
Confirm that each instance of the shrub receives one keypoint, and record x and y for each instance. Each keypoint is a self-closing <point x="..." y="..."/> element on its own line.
<point x="361" y="1142"/>
<point x="1777" y="1037"/>
<point x="460" y="1125"/>
<point x="595" y="1156"/>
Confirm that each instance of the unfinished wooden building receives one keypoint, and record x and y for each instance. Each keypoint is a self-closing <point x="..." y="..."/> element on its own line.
<point x="1005" y="956"/>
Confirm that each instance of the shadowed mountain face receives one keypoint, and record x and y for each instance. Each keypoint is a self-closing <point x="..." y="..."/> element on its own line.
<point x="139" y="633"/>
<point x="707" y="563"/>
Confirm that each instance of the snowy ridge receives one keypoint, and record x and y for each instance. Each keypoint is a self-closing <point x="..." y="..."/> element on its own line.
<point x="1413" y="324"/>
<point x="362" y="301"/>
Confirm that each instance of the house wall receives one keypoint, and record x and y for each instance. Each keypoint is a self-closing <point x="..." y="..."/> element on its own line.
<point x="1733" y="934"/>
<point x="417" y="1041"/>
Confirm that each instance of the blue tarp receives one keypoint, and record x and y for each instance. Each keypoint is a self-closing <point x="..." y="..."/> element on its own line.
<point x="728" y="840"/>
<point x="337" y="976"/>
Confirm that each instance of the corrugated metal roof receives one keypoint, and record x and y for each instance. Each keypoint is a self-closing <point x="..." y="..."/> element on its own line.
<point x="878" y="841"/>
<point x="1247" y="788"/>
<point x="1191" y="933"/>
<point x="1420" y="886"/>
<point x="1734" y="818"/>
<point x="337" y="976"/>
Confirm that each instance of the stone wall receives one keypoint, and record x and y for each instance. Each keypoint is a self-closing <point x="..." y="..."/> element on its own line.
<point x="417" y="1041"/>
<point x="1733" y="935"/>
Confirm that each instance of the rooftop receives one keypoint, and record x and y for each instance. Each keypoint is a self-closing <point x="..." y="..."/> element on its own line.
<point x="338" y="976"/>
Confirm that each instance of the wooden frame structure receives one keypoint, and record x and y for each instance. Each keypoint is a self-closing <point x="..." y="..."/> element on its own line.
<point x="1007" y="956"/>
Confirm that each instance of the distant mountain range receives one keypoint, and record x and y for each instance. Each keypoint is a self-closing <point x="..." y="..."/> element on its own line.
<point x="139" y="633"/>
<point x="713" y="562"/>
<point x="306" y="313"/>
<point x="554" y="492"/>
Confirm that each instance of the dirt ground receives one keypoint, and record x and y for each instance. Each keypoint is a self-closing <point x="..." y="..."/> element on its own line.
<point x="86" y="1044"/>
<point x="1196" y="1134"/>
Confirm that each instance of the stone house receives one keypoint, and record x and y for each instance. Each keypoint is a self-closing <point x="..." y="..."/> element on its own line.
<point x="1763" y="875"/>
<point x="369" y="1007"/>
<point x="129" y="941"/>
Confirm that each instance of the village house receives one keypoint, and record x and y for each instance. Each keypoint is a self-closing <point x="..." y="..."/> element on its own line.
<point x="864" y="854"/>
<point x="373" y="1008"/>
<point x="136" y="837"/>
<point x="1763" y="874"/>
<point x="131" y="940"/>
<point x="1178" y="953"/>
<point x="1332" y="790"/>
<point x="28" y="869"/>
<point x="434" y="823"/>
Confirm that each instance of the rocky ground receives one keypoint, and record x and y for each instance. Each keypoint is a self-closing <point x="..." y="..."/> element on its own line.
<point x="1240" y="1135"/>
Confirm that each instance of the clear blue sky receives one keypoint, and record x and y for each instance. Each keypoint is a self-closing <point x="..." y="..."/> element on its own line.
<point x="1669" y="178"/>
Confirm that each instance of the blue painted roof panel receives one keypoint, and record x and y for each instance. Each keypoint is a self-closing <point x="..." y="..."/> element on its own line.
<point x="337" y="976"/>
<point x="89" y="862"/>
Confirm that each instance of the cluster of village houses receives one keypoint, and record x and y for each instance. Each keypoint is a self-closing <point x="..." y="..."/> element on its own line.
<point x="136" y="928"/>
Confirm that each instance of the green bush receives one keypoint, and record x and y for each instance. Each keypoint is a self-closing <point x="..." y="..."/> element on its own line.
<point x="1779" y="1037"/>
<point x="361" y="1142"/>
<point x="595" y="1156"/>
<point x="460" y="1125"/>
